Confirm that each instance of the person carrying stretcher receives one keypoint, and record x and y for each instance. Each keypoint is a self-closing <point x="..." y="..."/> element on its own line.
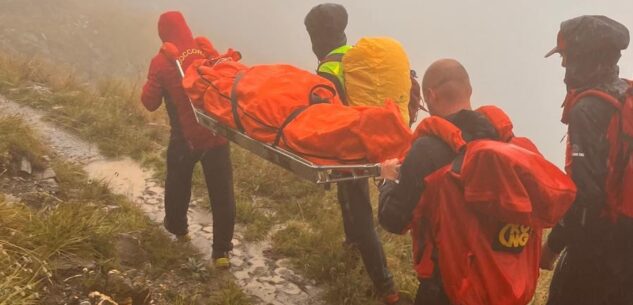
<point x="325" y="24"/>
<point x="189" y="142"/>
<point x="474" y="197"/>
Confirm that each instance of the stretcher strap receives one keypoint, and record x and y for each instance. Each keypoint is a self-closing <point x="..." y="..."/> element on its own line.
<point x="314" y="98"/>
<point x="287" y="121"/>
<point x="234" y="105"/>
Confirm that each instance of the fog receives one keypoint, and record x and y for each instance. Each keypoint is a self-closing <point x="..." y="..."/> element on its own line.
<point x="501" y="44"/>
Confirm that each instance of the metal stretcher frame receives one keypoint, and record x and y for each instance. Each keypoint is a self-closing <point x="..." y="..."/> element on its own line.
<point x="319" y="174"/>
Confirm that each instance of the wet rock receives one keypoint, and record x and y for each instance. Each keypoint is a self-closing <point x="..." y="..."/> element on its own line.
<point x="111" y="208"/>
<point x="48" y="185"/>
<point x="46" y="174"/>
<point x="194" y="227"/>
<point x="154" y="190"/>
<point x="129" y="250"/>
<point x="276" y="280"/>
<point x="241" y="275"/>
<point x="259" y="272"/>
<point x="291" y="289"/>
<point x="26" y="168"/>
<point x="72" y="265"/>
<point x="284" y="262"/>
<point x="236" y="262"/>
<point x="237" y="252"/>
<point x="288" y="275"/>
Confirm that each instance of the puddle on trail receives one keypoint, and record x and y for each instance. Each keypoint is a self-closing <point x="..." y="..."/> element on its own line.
<point x="123" y="176"/>
<point x="266" y="280"/>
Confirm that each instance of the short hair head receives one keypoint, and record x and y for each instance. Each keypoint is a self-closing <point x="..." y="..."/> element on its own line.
<point x="446" y="82"/>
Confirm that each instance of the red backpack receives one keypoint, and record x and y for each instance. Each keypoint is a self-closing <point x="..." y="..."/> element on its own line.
<point x="619" y="181"/>
<point x="480" y="220"/>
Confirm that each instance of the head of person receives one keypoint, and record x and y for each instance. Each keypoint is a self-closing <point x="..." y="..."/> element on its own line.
<point x="173" y="28"/>
<point x="590" y="47"/>
<point x="446" y="87"/>
<point x="326" y="25"/>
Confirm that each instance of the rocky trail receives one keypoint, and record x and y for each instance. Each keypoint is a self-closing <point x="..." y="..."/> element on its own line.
<point x="266" y="279"/>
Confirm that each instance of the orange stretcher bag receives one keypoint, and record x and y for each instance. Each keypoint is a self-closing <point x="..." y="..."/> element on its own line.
<point x="295" y="110"/>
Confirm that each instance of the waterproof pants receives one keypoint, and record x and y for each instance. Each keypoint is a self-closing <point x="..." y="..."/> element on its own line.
<point x="218" y="174"/>
<point x="430" y="292"/>
<point x="597" y="270"/>
<point x="358" y="223"/>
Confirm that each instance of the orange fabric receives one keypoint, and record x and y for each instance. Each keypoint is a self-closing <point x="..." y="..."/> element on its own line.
<point x="325" y="133"/>
<point x="620" y="159"/>
<point x="472" y="273"/>
<point x="460" y="215"/>
<point x="499" y="120"/>
<point x="443" y="129"/>
<point x="515" y="185"/>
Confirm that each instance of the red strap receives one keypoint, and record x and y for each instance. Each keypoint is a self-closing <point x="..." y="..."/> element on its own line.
<point x="500" y="120"/>
<point x="573" y="97"/>
<point x="443" y="129"/>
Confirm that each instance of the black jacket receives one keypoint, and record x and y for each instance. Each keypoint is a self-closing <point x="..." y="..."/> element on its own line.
<point x="587" y="130"/>
<point x="428" y="154"/>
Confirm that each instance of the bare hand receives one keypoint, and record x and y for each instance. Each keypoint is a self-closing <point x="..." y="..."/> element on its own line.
<point x="390" y="169"/>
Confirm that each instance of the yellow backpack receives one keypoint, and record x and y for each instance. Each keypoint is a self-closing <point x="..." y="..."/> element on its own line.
<point x="376" y="69"/>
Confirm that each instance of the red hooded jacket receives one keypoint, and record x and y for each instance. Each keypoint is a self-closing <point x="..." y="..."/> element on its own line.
<point x="164" y="82"/>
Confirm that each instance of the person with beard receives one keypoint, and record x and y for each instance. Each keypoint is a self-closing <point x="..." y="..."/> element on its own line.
<point x="597" y="265"/>
<point x="326" y="25"/>
<point x="189" y="142"/>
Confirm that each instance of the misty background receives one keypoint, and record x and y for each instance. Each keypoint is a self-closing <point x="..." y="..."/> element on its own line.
<point x="501" y="43"/>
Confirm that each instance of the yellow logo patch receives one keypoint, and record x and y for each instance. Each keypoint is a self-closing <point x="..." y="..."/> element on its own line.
<point x="512" y="238"/>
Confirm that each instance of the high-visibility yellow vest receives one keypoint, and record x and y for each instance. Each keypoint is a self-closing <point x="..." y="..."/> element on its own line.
<point x="332" y="64"/>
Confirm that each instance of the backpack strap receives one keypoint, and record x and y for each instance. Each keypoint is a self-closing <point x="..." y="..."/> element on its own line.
<point x="573" y="97"/>
<point x="336" y="57"/>
<point x="499" y="120"/>
<point x="442" y="129"/>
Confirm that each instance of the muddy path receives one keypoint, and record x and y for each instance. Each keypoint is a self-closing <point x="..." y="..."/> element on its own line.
<point x="267" y="280"/>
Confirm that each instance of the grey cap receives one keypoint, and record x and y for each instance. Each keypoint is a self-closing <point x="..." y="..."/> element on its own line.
<point x="591" y="33"/>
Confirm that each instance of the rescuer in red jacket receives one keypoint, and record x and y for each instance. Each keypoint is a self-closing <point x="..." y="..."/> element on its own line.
<point x="189" y="142"/>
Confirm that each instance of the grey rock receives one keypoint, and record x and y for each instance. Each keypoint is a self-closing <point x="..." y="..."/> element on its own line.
<point x="25" y="167"/>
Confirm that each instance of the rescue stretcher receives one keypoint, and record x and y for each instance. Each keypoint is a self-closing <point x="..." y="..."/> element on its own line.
<point x="319" y="174"/>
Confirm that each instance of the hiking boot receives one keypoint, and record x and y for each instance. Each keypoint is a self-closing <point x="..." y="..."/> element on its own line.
<point x="395" y="298"/>
<point x="221" y="260"/>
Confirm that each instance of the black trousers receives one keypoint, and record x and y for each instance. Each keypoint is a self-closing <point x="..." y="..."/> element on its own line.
<point x="358" y="223"/>
<point x="596" y="268"/>
<point x="431" y="292"/>
<point x="218" y="174"/>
